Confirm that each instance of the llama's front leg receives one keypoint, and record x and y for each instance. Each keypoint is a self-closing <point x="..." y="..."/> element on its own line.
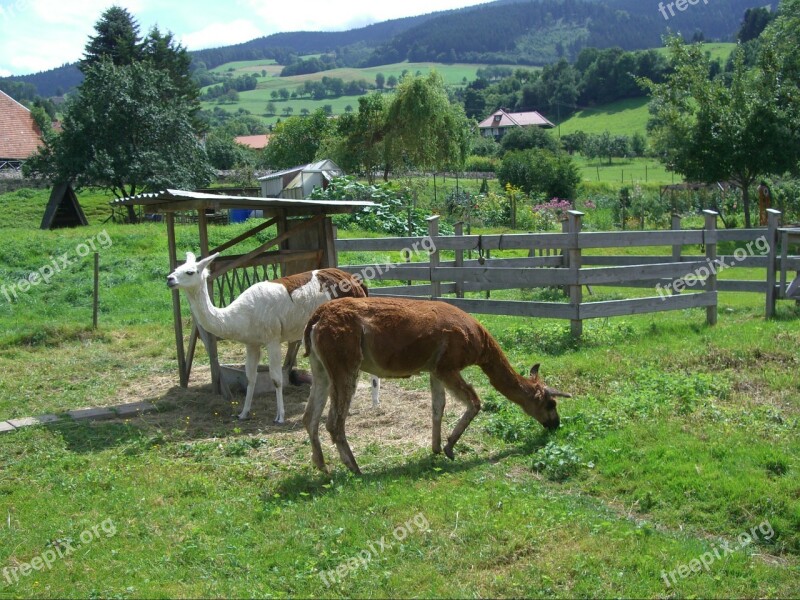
<point x="251" y="370"/>
<point x="376" y="390"/>
<point x="464" y="393"/>
<point x="276" y="374"/>
<point x="437" y="406"/>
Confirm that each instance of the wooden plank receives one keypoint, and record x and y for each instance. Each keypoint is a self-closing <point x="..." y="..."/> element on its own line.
<point x="516" y="241"/>
<point x="510" y="277"/>
<point x="619" y="308"/>
<point x="377" y="244"/>
<point x="176" y="304"/>
<point x="628" y="239"/>
<point x="740" y="235"/>
<point x="622" y="275"/>
<point x="545" y="310"/>
<point x="244" y="259"/>
<point x="411" y="290"/>
<point x="247" y="234"/>
<point x="390" y="271"/>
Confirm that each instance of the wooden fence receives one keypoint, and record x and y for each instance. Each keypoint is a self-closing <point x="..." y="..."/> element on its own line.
<point x="561" y="260"/>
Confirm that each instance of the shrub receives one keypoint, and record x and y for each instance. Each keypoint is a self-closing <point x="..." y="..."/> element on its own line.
<point x="540" y="171"/>
<point x="481" y="164"/>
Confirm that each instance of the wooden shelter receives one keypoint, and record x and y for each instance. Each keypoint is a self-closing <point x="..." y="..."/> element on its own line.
<point x="304" y="241"/>
<point x="63" y="209"/>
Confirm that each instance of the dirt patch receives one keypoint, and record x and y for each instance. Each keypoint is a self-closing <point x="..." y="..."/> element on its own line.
<point x="402" y="421"/>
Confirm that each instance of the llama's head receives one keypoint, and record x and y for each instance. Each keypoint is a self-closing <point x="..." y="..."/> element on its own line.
<point x="190" y="274"/>
<point x="540" y="402"/>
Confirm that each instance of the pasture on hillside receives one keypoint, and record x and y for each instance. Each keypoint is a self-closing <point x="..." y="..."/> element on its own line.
<point x="256" y="100"/>
<point x="675" y="472"/>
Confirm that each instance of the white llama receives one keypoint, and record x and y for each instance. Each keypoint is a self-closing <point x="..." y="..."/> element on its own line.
<point x="265" y="314"/>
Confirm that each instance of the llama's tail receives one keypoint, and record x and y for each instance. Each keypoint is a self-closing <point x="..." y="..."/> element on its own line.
<point x="307" y="332"/>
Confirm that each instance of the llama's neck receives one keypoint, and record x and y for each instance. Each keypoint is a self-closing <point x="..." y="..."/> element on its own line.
<point x="501" y="374"/>
<point x="208" y="316"/>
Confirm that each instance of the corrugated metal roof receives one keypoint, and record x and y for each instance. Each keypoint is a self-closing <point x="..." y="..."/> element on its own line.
<point x="325" y="165"/>
<point x="173" y="200"/>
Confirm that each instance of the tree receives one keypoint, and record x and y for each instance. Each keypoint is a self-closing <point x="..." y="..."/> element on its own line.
<point x="297" y="140"/>
<point x="755" y="21"/>
<point x="391" y="82"/>
<point x="710" y="132"/>
<point x="271" y="110"/>
<point x="380" y="80"/>
<point x="287" y="110"/>
<point x="540" y="171"/>
<point x="524" y="138"/>
<point x="119" y="134"/>
<point x="424" y="128"/>
<point x="223" y="151"/>
<point x="117" y="39"/>
<point x="365" y="137"/>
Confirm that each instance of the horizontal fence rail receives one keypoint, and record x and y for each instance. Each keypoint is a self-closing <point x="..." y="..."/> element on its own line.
<point x="558" y="260"/>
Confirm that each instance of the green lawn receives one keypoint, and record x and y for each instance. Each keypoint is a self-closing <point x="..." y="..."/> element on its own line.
<point x="624" y="117"/>
<point x="627" y="171"/>
<point x="675" y="472"/>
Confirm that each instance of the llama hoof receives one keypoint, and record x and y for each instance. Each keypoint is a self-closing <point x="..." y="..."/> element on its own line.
<point x="243" y="417"/>
<point x="448" y="452"/>
<point x="278" y="421"/>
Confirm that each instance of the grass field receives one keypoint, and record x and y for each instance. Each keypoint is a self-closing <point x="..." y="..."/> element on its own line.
<point x="675" y="472"/>
<point x="624" y="117"/>
<point x="627" y="171"/>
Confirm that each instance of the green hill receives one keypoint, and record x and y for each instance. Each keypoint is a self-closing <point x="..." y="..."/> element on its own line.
<point x="624" y="117"/>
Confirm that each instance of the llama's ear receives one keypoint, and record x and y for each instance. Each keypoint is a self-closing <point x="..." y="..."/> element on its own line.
<point x="535" y="370"/>
<point x="557" y="394"/>
<point x="190" y="257"/>
<point x="207" y="261"/>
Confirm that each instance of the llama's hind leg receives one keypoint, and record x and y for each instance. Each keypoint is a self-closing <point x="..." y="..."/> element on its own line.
<point x="251" y="370"/>
<point x="375" y="387"/>
<point x="342" y="390"/>
<point x="316" y="403"/>
<point x="276" y="374"/>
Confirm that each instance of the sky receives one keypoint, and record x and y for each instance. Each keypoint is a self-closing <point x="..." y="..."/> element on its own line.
<point x="36" y="35"/>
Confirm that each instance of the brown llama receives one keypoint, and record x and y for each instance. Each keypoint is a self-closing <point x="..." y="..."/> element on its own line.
<point x="393" y="337"/>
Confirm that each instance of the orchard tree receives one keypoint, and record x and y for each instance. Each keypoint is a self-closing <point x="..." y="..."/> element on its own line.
<point x="709" y="131"/>
<point x="297" y="140"/>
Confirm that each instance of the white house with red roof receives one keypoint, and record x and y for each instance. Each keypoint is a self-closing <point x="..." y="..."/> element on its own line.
<point x="19" y="135"/>
<point x="499" y="122"/>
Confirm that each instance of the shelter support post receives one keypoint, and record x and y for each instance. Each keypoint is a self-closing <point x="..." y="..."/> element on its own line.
<point x="183" y="371"/>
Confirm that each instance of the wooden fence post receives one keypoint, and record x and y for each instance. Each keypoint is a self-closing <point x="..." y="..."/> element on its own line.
<point x="459" y="231"/>
<point x="773" y="222"/>
<point x="574" y="262"/>
<point x="676" y="248"/>
<point x="711" y="259"/>
<point x="433" y="233"/>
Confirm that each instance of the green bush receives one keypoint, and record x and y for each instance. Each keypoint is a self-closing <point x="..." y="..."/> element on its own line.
<point x="539" y="171"/>
<point x="481" y="164"/>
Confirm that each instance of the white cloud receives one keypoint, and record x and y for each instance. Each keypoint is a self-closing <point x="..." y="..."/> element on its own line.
<point x="5" y="73"/>
<point x="221" y="34"/>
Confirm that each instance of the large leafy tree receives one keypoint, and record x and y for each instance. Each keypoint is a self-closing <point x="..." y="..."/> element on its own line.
<point x="131" y="126"/>
<point x="710" y="131"/>
<point x="297" y="140"/>
<point x="119" y="134"/>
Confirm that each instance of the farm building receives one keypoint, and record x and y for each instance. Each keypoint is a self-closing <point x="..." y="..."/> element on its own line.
<point x="298" y="182"/>
<point x="19" y="134"/>
<point x="496" y="124"/>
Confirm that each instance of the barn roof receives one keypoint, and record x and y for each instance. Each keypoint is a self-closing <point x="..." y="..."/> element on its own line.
<point x="509" y="119"/>
<point x="182" y="200"/>
<point x="19" y="135"/>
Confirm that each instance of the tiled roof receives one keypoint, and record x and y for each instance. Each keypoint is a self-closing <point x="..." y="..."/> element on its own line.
<point x="19" y="135"/>
<point x="256" y="142"/>
<point x="522" y="119"/>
